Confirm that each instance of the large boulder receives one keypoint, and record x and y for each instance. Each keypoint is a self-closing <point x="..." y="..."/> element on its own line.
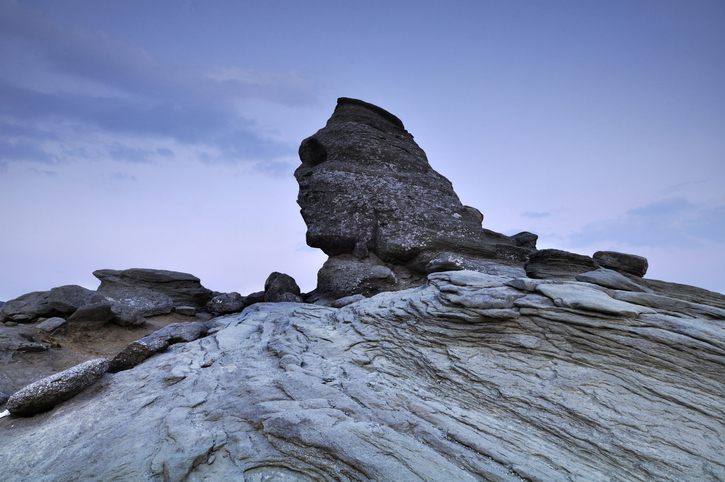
<point x="226" y="303"/>
<point x="29" y="307"/>
<point x="67" y="299"/>
<point x="366" y="187"/>
<point x="281" y="287"/>
<point x="558" y="264"/>
<point x="184" y="289"/>
<point x="622" y="262"/>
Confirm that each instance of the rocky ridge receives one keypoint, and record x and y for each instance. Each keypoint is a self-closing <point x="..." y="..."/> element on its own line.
<point x="432" y="349"/>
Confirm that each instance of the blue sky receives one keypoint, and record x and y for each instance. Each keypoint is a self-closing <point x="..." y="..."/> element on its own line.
<point x="164" y="134"/>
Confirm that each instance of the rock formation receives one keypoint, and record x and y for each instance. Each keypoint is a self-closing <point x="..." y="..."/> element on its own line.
<point x="366" y="188"/>
<point x="442" y="352"/>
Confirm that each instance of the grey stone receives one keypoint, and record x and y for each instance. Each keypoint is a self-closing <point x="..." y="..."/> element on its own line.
<point x="184" y="289"/>
<point x="139" y="350"/>
<point x="525" y="239"/>
<point x="67" y="299"/>
<point x="252" y="298"/>
<point x="49" y="392"/>
<point x="90" y="316"/>
<point x="610" y="279"/>
<point x="226" y="303"/>
<point x="624" y="263"/>
<point x="346" y="275"/>
<point x="51" y="324"/>
<point x="281" y="287"/>
<point x="186" y="310"/>
<point x="147" y="302"/>
<point x="347" y="300"/>
<point x="463" y="378"/>
<point x="366" y="187"/>
<point x="29" y="307"/>
<point x="555" y="263"/>
<point x="3" y="397"/>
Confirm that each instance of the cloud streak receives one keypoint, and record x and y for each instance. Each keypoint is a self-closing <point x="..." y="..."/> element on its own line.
<point x="670" y="223"/>
<point x="93" y="83"/>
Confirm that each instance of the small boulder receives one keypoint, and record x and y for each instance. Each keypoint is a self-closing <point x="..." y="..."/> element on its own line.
<point x="67" y="299"/>
<point x="91" y="316"/>
<point x="51" y="324"/>
<point x="186" y="310"/>
<point x="624" y="263"/>
<point x="252" y="298"/>
<point x="158" y="341"/>
<point x="226" y="303"/>
<point x="50" y="391"/>
<point x="281" y="287"/>
<point x="554" y="263"/>
<point x="525" y="239"/>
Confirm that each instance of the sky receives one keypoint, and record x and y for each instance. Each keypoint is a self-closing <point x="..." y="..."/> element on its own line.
<point x="164" y="134"/>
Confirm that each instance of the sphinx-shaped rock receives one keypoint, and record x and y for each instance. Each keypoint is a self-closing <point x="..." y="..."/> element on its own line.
<point x="367" y="187"/>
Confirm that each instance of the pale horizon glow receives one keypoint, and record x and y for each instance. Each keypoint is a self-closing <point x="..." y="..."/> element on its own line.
<point x="164" y="134"/>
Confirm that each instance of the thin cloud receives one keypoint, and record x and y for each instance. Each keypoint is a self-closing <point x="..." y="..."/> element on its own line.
<point x="535" y="214"/>
<point x="672" y="223"/>
<point x="112" y="88"/>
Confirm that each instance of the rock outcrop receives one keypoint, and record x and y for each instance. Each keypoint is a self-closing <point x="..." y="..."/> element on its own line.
<point x="625" y="263"/>
<point x="366" y="188"/>
<point x="470" y="377"/>
<point x="183" y="289"/>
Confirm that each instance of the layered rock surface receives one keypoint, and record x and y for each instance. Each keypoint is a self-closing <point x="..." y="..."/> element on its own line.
<point x="470" y="377"/>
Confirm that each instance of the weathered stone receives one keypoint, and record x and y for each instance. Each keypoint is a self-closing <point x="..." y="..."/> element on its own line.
<point x="51" y="324"/>
<point x="281" y="287"/>
<point x="347" y="300"/>
<point x="3" y="397"/>
<point x="184" y="289"/>
<point x="185" y="310"/>
<point x="49" y="392"/>
<point x="139" y="350"/>
<point x="525" y="239"/>
<point x="624" y="263"/>
<point x="125" y="315"/>
<point x="67" y="299"/>
<point x="554" y="263"/>
<point x="147" y="302"/>
<point x="346" y="275"/>
<point x="464" y="378"/>
<point x="226" y="303"/>
<point x="29" y="307"/>
<point x="252" y="298"/>
<point x="366" y="187"/>
<point x="609" y="279"/>
<point x="90" y="316"/>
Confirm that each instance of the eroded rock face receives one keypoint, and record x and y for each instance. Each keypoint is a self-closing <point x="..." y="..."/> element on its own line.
<point x="366" y="187"/>
<point x="469" y="377"/>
